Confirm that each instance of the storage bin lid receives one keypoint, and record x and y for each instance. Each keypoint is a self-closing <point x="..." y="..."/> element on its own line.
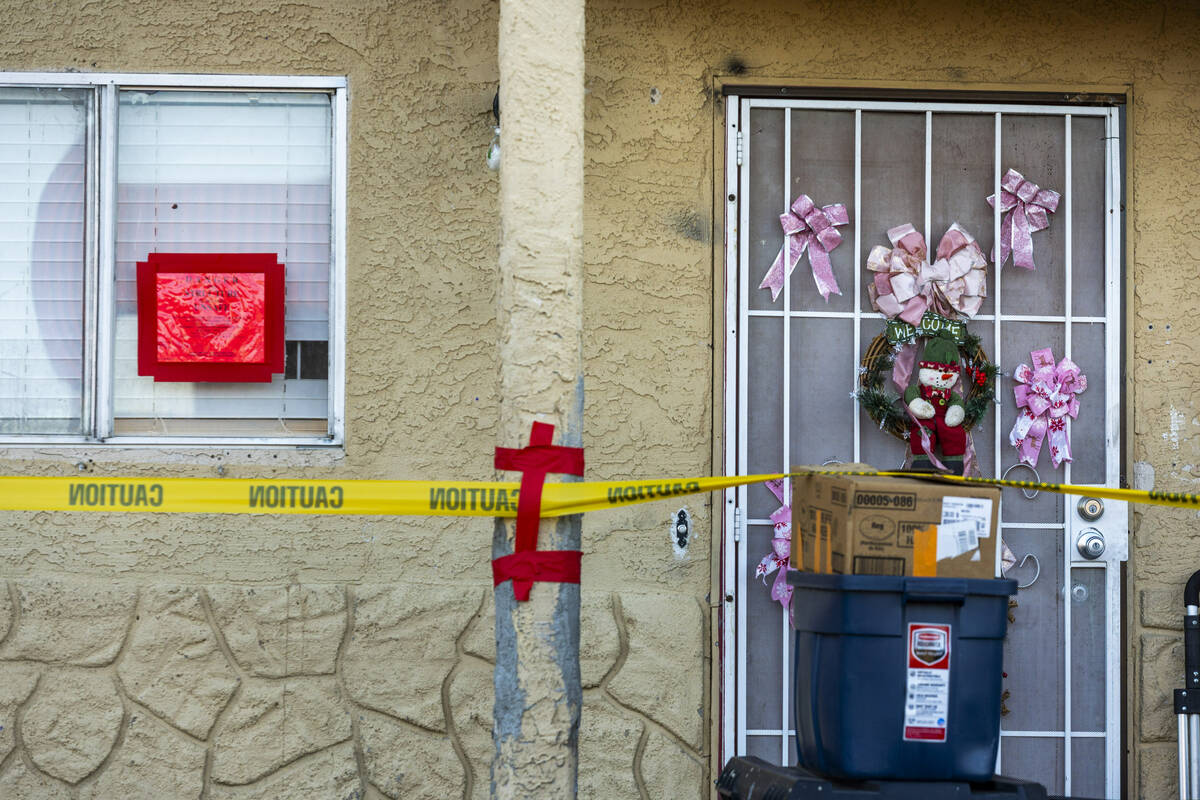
<point x="879" y="605"/>
<point x="990" y="587"/>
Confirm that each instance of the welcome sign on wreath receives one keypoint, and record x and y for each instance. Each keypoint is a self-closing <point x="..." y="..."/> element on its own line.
<point x="943" y="379"/>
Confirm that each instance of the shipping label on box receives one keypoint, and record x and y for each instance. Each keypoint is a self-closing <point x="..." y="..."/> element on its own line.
<point x="893" y="526"/>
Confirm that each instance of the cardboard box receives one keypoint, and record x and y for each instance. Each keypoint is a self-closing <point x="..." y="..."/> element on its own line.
<point x="849" y="524"/>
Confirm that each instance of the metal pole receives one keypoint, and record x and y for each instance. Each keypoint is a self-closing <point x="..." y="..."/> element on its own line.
<point x="1183" y="758"/>
<point x="1193" y="750"/>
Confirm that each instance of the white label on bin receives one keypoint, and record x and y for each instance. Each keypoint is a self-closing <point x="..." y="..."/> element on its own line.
<point x="927" y="698"/>
<point x="974" y="512"/>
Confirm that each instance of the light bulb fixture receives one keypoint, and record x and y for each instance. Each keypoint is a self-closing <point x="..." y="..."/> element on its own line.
<point x="493" y="153"/>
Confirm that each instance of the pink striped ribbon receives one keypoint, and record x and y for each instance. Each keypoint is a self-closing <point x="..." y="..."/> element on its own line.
<point x="906" y="285"/>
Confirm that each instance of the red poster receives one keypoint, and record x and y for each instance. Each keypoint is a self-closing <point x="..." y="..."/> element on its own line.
<point x="210" y="316"/>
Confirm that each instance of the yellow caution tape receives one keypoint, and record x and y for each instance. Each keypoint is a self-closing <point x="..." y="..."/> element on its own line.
<point x="240" y="496"/>
<point x="426" y="498"/>
<point x="392" y="498"/>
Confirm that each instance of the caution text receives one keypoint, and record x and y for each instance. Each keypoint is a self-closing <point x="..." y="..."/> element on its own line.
<point x="124" y="495"/>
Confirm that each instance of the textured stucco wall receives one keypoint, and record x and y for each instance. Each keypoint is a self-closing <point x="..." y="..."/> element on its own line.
<point x="315" y="658"/>
<point x="169" y="656"/>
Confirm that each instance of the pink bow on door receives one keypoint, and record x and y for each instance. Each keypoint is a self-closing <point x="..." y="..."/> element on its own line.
<point x="906" y="284"/>
<point x="808" y="226"/>
<point x="1046" y="396"/>
<point x="781" y="549"/>
<point x="1026" y="208"/>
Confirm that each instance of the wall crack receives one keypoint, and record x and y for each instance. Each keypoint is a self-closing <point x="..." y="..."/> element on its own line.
<point x="447" y="708"/>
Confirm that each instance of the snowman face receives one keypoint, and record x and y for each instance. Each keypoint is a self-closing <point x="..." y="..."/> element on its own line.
<point x="936" y="378"/>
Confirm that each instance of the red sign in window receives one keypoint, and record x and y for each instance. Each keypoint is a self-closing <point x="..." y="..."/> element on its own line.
<point x="210" y="316"/>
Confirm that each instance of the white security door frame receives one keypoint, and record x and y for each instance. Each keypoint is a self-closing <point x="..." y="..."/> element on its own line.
<point x="1089" y="586"/>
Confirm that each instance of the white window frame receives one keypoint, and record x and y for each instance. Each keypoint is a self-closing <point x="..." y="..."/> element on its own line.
<point x="100" y="249"/>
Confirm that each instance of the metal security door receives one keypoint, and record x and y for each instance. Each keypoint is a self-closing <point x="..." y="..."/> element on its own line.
<point x="792" y="364"/>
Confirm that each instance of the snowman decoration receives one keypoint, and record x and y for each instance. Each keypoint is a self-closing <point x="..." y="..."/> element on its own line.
<point x="936" y="411"/>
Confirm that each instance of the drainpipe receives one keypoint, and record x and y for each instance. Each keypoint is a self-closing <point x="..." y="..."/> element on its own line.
<point x="537" y="684"/>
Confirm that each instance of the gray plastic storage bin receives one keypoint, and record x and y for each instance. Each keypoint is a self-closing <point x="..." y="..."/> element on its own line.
<point x="898" y="678"/>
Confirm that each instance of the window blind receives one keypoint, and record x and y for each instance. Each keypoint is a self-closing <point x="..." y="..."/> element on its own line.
<point x="224" y="172"/>
<point x="42" y="192"/>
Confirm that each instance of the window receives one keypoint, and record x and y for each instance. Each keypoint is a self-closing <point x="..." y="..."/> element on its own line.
<point x="100" y="173"/>
<point x="42" y="200"/>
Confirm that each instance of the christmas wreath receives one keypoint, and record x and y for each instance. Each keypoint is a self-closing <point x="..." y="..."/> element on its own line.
<point x="885" y="407"/>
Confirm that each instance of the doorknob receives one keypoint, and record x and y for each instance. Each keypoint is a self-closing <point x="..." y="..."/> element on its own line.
<point x="1090" y="543"/>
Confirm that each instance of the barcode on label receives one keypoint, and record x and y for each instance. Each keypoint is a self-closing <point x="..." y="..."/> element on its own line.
<point x="967" y="541"/>
<point x="956" y="539"/>
<point x="878" y="565"/>
<point x="973" y="511"/>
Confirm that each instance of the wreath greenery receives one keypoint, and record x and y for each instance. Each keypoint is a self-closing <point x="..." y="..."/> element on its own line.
<point x="885" y="408"/>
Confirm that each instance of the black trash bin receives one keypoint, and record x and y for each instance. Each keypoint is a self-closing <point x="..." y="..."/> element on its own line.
<point x="750" y="778"/>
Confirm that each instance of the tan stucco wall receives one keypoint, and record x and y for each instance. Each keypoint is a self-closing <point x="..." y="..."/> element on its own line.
<point x="154" y="657"/>
<point x="277" y="658"/>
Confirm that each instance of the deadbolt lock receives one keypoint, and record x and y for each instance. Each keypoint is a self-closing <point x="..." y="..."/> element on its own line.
<point x="1091" y="508"/>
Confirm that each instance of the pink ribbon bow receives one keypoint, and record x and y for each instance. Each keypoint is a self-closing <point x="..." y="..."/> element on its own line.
<point x="906" y="284"/>
<point x="1026" y="208"/>
<point x="807" y="226"/>
<point x="781" y="549"/>
<point x="1046" y="395"/>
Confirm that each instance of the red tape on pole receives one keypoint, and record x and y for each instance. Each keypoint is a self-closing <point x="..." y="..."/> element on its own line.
<point x="557" y="566"/>
<point x="527" y="564"/>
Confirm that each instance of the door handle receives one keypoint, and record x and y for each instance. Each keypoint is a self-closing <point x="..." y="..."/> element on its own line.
<point x="1090" y="544"/>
